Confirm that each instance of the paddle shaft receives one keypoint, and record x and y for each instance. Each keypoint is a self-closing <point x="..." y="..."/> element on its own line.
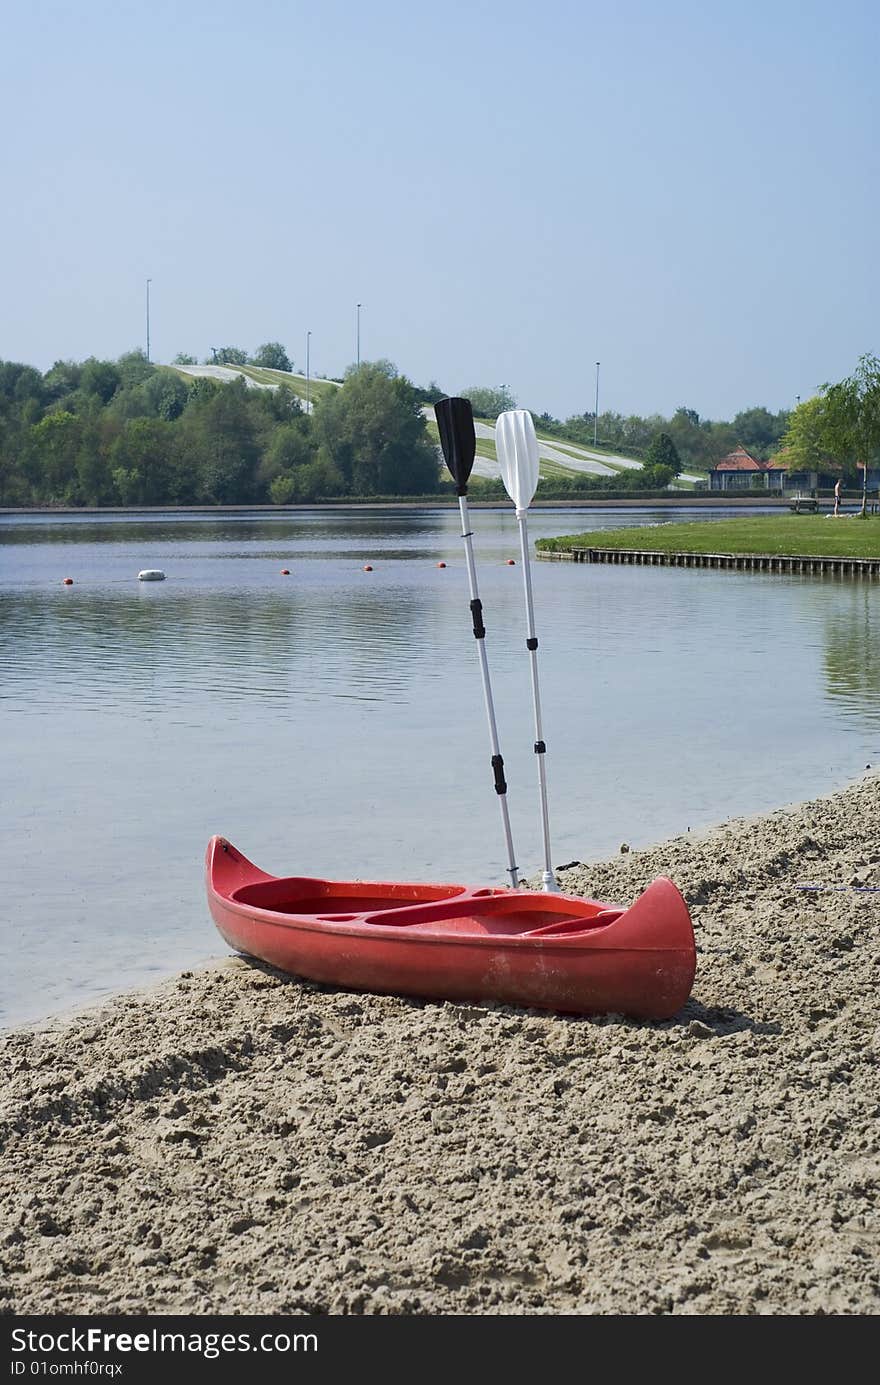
<point x="548" y="879"/>
<point x="480" y="634"/>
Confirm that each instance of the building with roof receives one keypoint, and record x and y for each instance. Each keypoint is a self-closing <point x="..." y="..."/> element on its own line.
<point x="739" y="470"/>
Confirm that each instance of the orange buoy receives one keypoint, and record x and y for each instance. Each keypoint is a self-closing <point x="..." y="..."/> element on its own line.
<point x="285" y="572"/>
<point x="511" y="562"/>
<point x="367" y="567"/>
<point x="68" y="581"/>
<point x="441" y="564"/>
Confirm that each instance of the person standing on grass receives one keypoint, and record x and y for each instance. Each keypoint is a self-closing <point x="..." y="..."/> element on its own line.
<point x="837" y="496"/>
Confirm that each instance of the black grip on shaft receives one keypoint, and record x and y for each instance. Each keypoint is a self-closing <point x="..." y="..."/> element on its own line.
<point x="532" y="642"/>
<point x="540" y="748"/>
<point x="477" y="614"/>
<point x="498" y="771"/>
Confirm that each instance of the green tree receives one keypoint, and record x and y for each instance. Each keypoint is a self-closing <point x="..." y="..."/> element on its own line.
<point x="282" y="490"/>
<point x="165" y="394"/>
<point x="18" y="383"/>
<point x="183" y="358"/>
<point x="230" y="355"/>
<point x="429" y="394"/>
<point x="636" y="432"/>
<point x="658" y="476"/>
<point x="700" y="442"/>
<point x="134" y="368"/>
<point x="803" y="443"/>
<point x="374" y="433"/>
<point x="201" y="388"/>
<point x="61" y="380"/>
<point x="318" y="479"/>
<point x="93" y="474"/>
<point x="140" y="462"/>
<point x="851" y="418"/>
<point x="663" y="452"/>
<point x="611" y="428"/>
<point x="228" y="447"/>
<point x="272" y="356"/>
<point x="281" y="404"/>
<point x="488" y="401"/>
<point x="100" y="378"/>
<point x="54" y="444"/>
<point x="290" y="448"/>
<point x="759" y="430"/>
<point x="688" y="436"/>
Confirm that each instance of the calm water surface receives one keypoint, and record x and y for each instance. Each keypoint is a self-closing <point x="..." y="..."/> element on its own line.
<point x="331" y="722"/>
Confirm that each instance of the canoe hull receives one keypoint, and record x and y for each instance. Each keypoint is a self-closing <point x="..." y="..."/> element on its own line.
<point x="446" y="942"/>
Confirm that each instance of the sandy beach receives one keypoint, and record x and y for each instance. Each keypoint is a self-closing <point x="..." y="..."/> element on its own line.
<point x="237" y="1141"/>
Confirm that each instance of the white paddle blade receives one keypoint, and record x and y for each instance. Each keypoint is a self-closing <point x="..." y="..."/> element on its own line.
<point x="517" y="449"/>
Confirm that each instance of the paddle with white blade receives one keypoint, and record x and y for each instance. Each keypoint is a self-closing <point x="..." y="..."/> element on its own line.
<point x="455" y="421"/>
<point x="517" y="450"/>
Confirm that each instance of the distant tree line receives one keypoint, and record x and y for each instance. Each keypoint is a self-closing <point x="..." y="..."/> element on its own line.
<point x="126" y="432"/>
<point x="699" y="442"/>
<point x="271" y="355"/>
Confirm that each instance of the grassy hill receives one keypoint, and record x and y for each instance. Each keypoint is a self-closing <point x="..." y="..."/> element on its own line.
<point x="597" y="460"/>
<point x="262" y="377"/>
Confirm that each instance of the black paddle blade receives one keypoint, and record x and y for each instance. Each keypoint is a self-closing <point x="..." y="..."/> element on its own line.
<point x="455" y="420"/>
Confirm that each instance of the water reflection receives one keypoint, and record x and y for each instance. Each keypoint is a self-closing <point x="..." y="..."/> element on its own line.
<point x="852" y="653"/>
<point x="211" y="527"/>
<point x="128" y="649"/>
<point x="332" y="722"/>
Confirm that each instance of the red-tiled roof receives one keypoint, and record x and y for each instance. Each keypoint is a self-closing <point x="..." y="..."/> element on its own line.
<point x="739" y="460"/>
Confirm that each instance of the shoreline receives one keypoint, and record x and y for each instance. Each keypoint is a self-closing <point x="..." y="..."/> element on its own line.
<point x="675" y="502"/>
<point x="234" y="1140"/>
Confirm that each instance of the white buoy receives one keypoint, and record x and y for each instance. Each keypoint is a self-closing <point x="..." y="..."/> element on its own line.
<point x="151" y="574"/>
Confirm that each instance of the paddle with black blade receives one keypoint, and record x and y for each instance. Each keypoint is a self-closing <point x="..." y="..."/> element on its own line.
<point x="517" y="449"/>
<point x="455" y="420"/>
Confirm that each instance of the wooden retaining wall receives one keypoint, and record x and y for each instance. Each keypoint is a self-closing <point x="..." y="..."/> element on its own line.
<point x="742" y="562"/>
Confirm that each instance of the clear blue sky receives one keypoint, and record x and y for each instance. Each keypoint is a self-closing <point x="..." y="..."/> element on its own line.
<point x="686" y="192"/>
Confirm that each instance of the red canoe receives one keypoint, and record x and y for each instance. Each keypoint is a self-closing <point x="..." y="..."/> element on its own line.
<point x="447" y="942"/>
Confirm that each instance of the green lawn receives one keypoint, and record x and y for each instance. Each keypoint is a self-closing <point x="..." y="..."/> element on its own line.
<point x="808" y="536"/>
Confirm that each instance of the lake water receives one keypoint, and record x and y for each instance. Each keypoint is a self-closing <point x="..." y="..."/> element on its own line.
<point x="331" y="722"/>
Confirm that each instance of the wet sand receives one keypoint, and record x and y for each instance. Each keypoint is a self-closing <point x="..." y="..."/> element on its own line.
<point x="237" y="1141"/>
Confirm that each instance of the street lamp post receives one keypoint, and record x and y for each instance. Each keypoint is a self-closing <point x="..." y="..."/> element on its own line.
<point x="359" y="336"/>
<point x="308" y="372"/>
<point x="149" y="282"/>
<point x="596" y="414"/>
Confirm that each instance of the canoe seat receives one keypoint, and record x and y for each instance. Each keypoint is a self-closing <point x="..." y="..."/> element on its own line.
<point x="577" y="925"/>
